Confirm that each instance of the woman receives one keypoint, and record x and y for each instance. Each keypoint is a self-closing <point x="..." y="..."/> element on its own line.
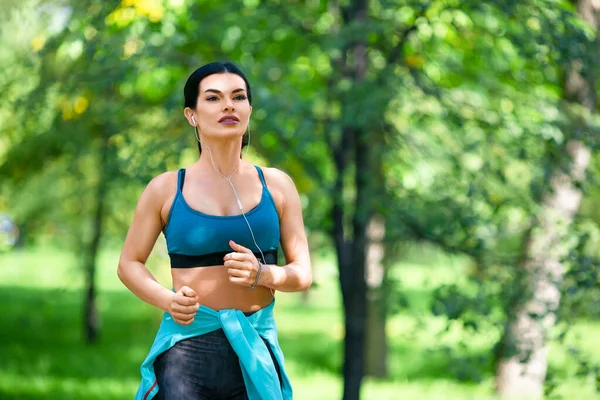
<point x="223" y="220"/>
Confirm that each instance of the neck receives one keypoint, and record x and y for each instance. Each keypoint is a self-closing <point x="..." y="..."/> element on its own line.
<point x="221" y="157"/>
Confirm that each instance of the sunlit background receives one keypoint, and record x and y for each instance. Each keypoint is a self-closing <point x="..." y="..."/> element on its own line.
<point x="444" y="151"/>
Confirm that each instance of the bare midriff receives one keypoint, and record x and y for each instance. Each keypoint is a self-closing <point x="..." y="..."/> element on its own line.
<point x="214" y="289"/>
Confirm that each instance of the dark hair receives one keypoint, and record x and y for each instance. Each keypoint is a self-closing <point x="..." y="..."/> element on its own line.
<point x="192" y="86"/>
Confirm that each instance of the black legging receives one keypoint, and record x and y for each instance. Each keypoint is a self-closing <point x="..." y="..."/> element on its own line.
<point x="202" y="368"/>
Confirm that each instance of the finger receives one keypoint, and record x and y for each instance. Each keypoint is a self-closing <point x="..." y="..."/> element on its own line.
<point x="183" y="321"/>
<point x="240" y="273"/>
<point x="239" y="248"/>
<point x="236" y="256"/>
<point x="185" y="301"/>
<point x="185" y="308"/>
<point x="186" y="296"/>
<point x="187" y="292"/>
<point x="241" y="265"/>
<point x="183" y="317"/>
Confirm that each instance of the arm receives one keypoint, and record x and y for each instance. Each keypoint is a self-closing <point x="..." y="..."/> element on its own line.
<point x="140" y="240"/>
<point x="296" y="275"/>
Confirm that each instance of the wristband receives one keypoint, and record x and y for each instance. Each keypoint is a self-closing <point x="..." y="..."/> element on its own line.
<point x="257" y="275"/>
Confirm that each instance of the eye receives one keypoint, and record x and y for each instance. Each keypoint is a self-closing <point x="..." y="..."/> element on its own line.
<point x="212" y="98"/>
<point x="240" y="97"/>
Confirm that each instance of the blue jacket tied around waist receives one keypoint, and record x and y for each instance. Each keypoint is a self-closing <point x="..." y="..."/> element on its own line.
<point x="258" y="370"/>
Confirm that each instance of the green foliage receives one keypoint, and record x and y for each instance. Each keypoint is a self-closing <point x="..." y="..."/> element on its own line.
<point x="44" y="355"/>
<point x="468" y="111"/>
<point x="466" y="96"/>
<point x="496" y="126"/>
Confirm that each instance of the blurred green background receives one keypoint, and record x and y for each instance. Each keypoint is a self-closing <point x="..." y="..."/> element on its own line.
<point x="440" y="148"/>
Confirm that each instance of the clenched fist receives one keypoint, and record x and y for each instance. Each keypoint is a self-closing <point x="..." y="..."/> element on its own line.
<point x="184" y="305"/>
<point x="242" y="265"/>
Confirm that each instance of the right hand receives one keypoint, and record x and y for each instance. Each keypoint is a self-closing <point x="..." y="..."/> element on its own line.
<point x="184" y="305"/>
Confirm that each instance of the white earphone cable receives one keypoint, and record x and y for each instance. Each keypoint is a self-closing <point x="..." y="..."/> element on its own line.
<point x="228" y="179"/>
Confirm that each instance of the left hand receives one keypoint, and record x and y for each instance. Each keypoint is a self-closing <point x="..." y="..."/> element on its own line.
<point x="241" y="265"/>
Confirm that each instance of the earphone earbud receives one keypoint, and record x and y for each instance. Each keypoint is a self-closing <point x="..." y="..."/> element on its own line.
<point x="194" y="120"/>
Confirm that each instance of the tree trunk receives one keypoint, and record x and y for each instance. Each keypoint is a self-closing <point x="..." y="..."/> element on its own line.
<point x="522" y="370"/>
<point x="91" y="316"/>
<point x="376" y="339"/>
<point x="352" y="272"/>
<point x="353" y="295"/>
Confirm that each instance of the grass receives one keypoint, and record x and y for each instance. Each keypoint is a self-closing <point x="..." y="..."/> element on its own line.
<point x="44" y="356"/>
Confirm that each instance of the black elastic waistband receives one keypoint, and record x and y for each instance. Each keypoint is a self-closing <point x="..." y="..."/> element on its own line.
<point x="207" y="260"/>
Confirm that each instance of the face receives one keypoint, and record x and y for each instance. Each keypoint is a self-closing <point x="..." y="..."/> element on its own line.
<point x="223" y="110"/>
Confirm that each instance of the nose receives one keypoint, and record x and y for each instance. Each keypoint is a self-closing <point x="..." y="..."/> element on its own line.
<point x="228" y="105"/>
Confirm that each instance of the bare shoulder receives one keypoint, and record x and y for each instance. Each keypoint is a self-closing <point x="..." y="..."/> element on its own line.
<point x="163" y="184"/>
<point x="278" y="180"/>
<point x="161" y="188"/>
<point x="282" y="188"/>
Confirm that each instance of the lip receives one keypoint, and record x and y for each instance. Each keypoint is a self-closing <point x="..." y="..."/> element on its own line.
<point x="229" y="119"/>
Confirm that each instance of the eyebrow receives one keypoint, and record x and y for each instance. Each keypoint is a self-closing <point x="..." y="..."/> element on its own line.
<point x="219" y="92"/>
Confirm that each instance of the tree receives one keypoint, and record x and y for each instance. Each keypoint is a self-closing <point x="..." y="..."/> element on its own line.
<point x="87" y="94"/>
<point x="397" y="120"/>
<point x="522" y="369"/>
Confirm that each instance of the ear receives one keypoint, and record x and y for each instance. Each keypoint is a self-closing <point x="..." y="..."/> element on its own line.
<point x="189" y="115"/>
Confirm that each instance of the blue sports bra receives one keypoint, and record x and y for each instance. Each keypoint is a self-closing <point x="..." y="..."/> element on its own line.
<point x="195" y="239"/>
